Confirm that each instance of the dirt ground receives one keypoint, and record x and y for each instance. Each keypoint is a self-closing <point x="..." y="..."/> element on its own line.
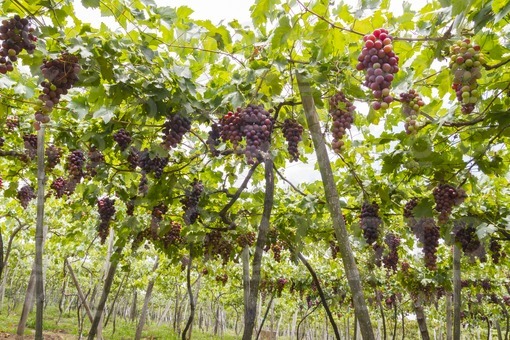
<point x="47" y="336"/>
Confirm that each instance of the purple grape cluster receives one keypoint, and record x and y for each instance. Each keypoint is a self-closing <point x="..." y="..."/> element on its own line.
<point x="17" y="35"/>
<point x="59" y="186"/>
<point x="390" y="260"/>
<point x="380" y="62"/>
<point x="143" y="185"/>
<point x="409" y="207"/>
<point x="53" y="155"/>
<point x="292" y="132"/>
<point x="231" y="128"/>
<point x="172" y="236"/>
<point x="123" y="139"/>
<point x="277" y="248"/>
<point x="60" y="74"/>
<point x="30" y="143"/>
<point x="152" y="165"/>
<point x="75" y="163"/>
<point x="25" y="195"/>
<point x="213" y="139"/>
<point x="174" y="130"/>
<point x="411" y="104"/>
<point x="95" y="159"/>
<point x="465" y="235"/>
<point x="106" y="209"/>
<point x="157" y="216"/>
<point x="190" y="202"/>
<point x="246" y="239"/>
<point x="446" y="197"/>
<point x="216" y="244"/>
<point x="429" y="237"/>
<point x="341" y="111"/>
<point x="466" y="65"/>
<point x="370" y="221"/>
<point x="495" y="249"/>
<point x="12" y="122"/>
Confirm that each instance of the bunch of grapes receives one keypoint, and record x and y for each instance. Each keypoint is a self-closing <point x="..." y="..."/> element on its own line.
<point x="53" y="154"/>
<point x="257" y="128"/>
<point x="280" y="284"/>
<point x="341" y="111"/>
<point x="17" y="35"/>
<point x="173" y="236"/>
<point x="370" y="221"/>
<point x="190" y="202"/>
<point x="410" y="205"/>
<point x="495" y="249"/>
<point x="123" y="139"/>
<point x="133" y="158"/>
<point x="277" y="248"/>
<point x="378" y="254"/>
<point x="60" y="74"/>
<point x="12" y="122"/>
<point x="390" y="260"/>
<point x="30" y="143"/>
<point x="216" y="244"/>
<point x="213" y="139"/>
<point x="59" y="185"/>
<point x="223" y="278"/>
<point x="246" y="240"/>
<point x="130" y="207"/>
<point x="335" y="248"/>
<point x="174" y="129"/>
<point x="446" y="197"/>
<point x="292" y="132"/>
<point x="157" y="215"/>
<point x="25" y="195"/>
<point x="95" y="159"/>
<point x="231" y="128"/>
<point x="411" y="104"/>
<point x="106" y="209"/>
<point x="465" y="235"/>
<point x="143" y="186"/>
<point x="155" y="165"/>
<point x="379" y="61"/>
<point x="75" y="162"/>
<point x="466" y="63"/>
<point x="1" y="182"/>
<point x="430" y="240"/>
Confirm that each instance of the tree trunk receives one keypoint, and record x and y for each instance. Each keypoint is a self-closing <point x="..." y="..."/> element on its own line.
<point x="28" y="304"/>
<point x="333" y="201"/>
<point x="456" y="292"/>
<point x="192" y="303"/>
<point x="245" y="257"/>
<point x="80" y="293"/>
<point x="265" y="316"/>
<point x="449" y="312"/>
<point x="106" y="290"/>
<point x="251" y="311"/>
<point x="132" y="312"/>
<point x="148" y="293"/>
<point x="420" y="318"/>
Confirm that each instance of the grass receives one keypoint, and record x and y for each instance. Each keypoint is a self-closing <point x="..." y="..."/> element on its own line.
<point x="67" y="327"/>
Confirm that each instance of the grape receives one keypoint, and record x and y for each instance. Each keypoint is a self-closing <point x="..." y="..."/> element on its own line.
<point x="17" y="35"/>
<point x="466" y="63"/>
<point x="430" y="239"/>
<point x="95" y="159"/>
<point x="342" y="112"/>
<point x="106" y="209"/>
<point x="59" y="185"/>
<point x="157" y="215"/>
<point x="495" y="249"/>
<point x="173" y="236"/>
<point x="75" y="162"/>
<point x="292" y="131"/>
<point x="25" y="195"/>
<point x="60" y="74"/>
<point x="277" y="248"/>
<point x="12" y="122"/>
<point x="411" y="104"/>
<point x="231" y="128"/>
<point x="123" y="139"/>
<point x="378" y="254"/>
<point x="370" y="221"/>
<point x="380" y="63"/>
<point x="390" y="260"/>
<point x="446" y="197"/>
<point x="465" y="235"/>
<point x="130" y="207"/>
<point x="155" y="165"/>
<point x="2" y="142"/>
<point x="216" y="244"/>
<point x="246" y="240"/>
<point x="257" y="128"/>
<point x="133" y="157"/>
<point x="143" y="186"/>
<point x="190" y="202"/>
<point x="30" y="142"/>
<point x="53" y="154"/>
<point x="174" y="130"/>
<point x="280" y="284"/>
<point x="223" y="278"/>
<point x="408" y="208"/>
<point x="213" y="139"/>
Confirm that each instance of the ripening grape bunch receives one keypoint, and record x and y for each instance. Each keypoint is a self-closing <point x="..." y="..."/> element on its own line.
<point x="157" y="215"/>
<point x="230" y="127"/>
<point x="246" y="240"/>
<point x="53" y="154"/>
<point x="292" y="131"/>
<point x="30" y="143"/>
<point x="190" y="201"/>
<point x="390" y="260"/>
<point x="370" y="221"/>
<point x="59" y="186"/>
<point x="106" y="209"/>
<point x="277" y="248"/>
<point x="25" y="195"/>
<point x="130" y="207"/>
<point x="95" y="159"/>
<point x="17" y="35"/>
<point x="409" y="206"/>
<point x="152" y="165"/>
<point x="429" y="237"/>
<point x="341" y="111"/>
<point x="380" y="63"/>
<point x="173" y="236"/>
<point x="123" y="139"/>
<point x="495" y="249"/>
<point x="411" y="104"/>
<point x="213" y="139"/>
<point x="60" y="74"/>
<point x="74" y="166"/>
<point x="466" y="63"/>
<point x="174" y="129"/>
<point x="465" y="235"/>
<point x="446" y="197"/>
<point x="12" y="122"/>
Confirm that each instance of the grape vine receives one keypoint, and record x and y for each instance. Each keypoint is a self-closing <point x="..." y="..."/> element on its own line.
<point x="292" y="132"/>
<point x="370" y="221"/>
<point x="174" y="130"/>
<point x="190" y="202"/>
<point x="106" y="209"/>
<point x="341" y="111"/>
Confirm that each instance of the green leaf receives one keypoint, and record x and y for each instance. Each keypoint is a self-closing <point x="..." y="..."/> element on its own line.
<point x="90" y="3"/>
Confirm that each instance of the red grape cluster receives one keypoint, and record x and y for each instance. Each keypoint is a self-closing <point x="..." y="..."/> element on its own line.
<point x="59" y="186"/>
<point x="123" y="139"/>
<point x="429" y="236"/>
<point x="381" y="63"/>
<point x="17" y="35"/>
<point x="133" y="157"/>
<point x="280" y="284"/>
<point x="223" y="278"/>
<point x="465" y="235"/>
<point x="341" y="111"/>
<point x="174" y="130"/>
<point x="277" y="248"/>
<point x="130" y="207"/>
<point x="155" y="165"/>
<point x="216" y="244"/>
<point x="95" y="159"/>
<point x="213" y="139"/>
<point x="370" y="221"/>
<point x="12" y="122"/>
<point x="231" y="128"/>
<point x="246" y="240"/>
<point x="410" y="205"/>
<point x="411" y="104"/>
<point x="75" y="163"/>
<point x="190" y="202"/>
<point x="25" y="195"/>
<point x="292" y="132"/>
<point x="495" y="249"/>
<point x="173" y="236"/>
<point x="157" y="215"/>
<point x="465" y="63"/>
<point x="143" y="186"/>
<point x="53" y="155"/>
<point x="390" y="260"/>
<point x="60" y="74"/>
<point x="446" y="197"/>
<point x="106" y="209"/>
<point x="30" y="142"/>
